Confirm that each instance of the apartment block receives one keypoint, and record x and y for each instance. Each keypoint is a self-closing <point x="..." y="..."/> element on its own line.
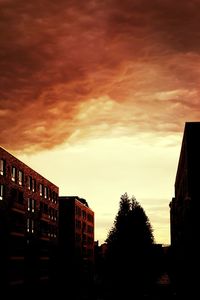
<point x="76" y="227"/>
<point x="76" y="239"/>
<point x="28" y="224"/>
<point x="184" y="211"/>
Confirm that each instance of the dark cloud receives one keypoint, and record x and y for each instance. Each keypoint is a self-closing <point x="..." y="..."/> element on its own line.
<point x="138" y="61"/>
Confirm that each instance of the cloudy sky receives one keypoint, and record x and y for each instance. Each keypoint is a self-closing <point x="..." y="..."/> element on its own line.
<point x="94" y="96"/>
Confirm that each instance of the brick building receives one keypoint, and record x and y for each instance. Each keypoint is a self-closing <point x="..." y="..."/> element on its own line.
<point x="184" y="211"/>
<point x="76" y="238"/>
<point x="28" y="224"/>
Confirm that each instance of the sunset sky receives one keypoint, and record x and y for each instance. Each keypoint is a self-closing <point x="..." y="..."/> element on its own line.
<point x="94" y="96"/>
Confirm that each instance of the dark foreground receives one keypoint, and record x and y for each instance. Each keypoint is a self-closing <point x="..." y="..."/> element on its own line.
<point x="162" y="290"/>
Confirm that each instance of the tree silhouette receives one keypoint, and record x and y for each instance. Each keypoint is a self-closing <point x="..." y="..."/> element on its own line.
<point x="130" y="249"/>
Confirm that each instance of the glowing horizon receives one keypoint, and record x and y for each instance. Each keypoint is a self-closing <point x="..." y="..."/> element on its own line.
<point x="99" y="171"/>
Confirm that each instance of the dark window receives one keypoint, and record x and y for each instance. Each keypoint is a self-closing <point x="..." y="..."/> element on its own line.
<point x="17" y="222"/>
<point x="45" y="192"/>
<point x="1" y="191"/>
<point x="30" y="225"/>
<point x="20" y="178"/>
<point x="13" y="174"/>
<point x="29" y="182"/>
<point x="31" y="205"/>
<point x="41" y="189"/>
<point x="21" y="197"/>
<point x="2" y="167"/>
<point x="33" y="185"/>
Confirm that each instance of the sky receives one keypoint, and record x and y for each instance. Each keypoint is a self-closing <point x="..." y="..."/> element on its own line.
<point x="94" y="96"/>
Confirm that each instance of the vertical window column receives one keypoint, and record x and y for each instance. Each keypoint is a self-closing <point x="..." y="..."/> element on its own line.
<point x="20" y="177"/>
<point x="2" y="167"/>
<point x="29" y="182"/>
<point x="13" y="174"/>
<point x="1" y="191"/>
<point x="41" y="189"/>
<point x="33" y="185"/>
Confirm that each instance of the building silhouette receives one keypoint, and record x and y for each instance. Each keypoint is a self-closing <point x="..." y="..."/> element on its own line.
<point x="184" y="213"/>
<point x="76" y="242"/>
<point x="28" y="225"/>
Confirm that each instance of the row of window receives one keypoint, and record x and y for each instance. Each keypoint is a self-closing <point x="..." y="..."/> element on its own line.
<point x="14" y="174"/>
<point x="83" y="213"/>
<point x="45" y="229"/>
<point x="48" y="229"/>
<point x="85" y="239"/>
<point x="31" y="203"/>
<point x="85" y="252"/>
<point x="18" y="177"/>
<point x="45" y="209"/>
<point x="90" y="229"/>
<point x="19" y="223"/>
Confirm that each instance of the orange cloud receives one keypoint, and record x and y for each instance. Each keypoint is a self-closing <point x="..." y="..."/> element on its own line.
<point x="69" y="70"/>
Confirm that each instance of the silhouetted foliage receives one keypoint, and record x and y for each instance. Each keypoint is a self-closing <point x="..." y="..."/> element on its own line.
<point x="130" y="245"/>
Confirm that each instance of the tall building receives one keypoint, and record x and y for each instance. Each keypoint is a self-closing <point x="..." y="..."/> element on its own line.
<point x="28" y="224"/>
<point x="184" y="210"/>
<point x="76" y="238"/>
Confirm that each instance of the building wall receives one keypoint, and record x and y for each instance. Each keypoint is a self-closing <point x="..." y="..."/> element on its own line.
<point x="76" y="244"/>
<point x="184" y="208"/>
<point x="28" y="222"/>
<point x="76" y="227"/>
<point x="185" y="205"/>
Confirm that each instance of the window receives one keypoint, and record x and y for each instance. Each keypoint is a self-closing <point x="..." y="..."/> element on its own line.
<point x="1" y="191"/>
<point x="28" y="225"/>
<point x="34" y="185"/>
<point x="78" y="224"/>
<point x="31" y="205"/>
<point x="83" y="226"/>
<point x="29" y="182"/>
<point x="32" y="226"/>
<point x="2" y="167"/>
<point x="41" y="189"/>
<point x="20" y="197"/>
<point x="51" y="213"/>
<point x="89" y="229"/>
<point x="50" y="194"/>
<point x="20" y="177"/>
<point x="13" y="174"/>
<point x="54" y="197"/>
<point x="90" y="218"/>
<point x="45" y="192"/>
<point x="44" y="208"/>
<point x="44" y="228"/>
<point x="78" y="210"/>
<point x="17" y="222"/>
<point x="78" y="237"/>
<point x="90" y="241"/>
<point x="83" y="214"/>
<point x="54" y="214"/>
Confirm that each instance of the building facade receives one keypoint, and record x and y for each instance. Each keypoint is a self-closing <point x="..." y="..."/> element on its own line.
<point x="28" y="224"/>
<point x="184" y="210"/>
<point x="76" y="238"/>
<point x="76" y="227"/>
